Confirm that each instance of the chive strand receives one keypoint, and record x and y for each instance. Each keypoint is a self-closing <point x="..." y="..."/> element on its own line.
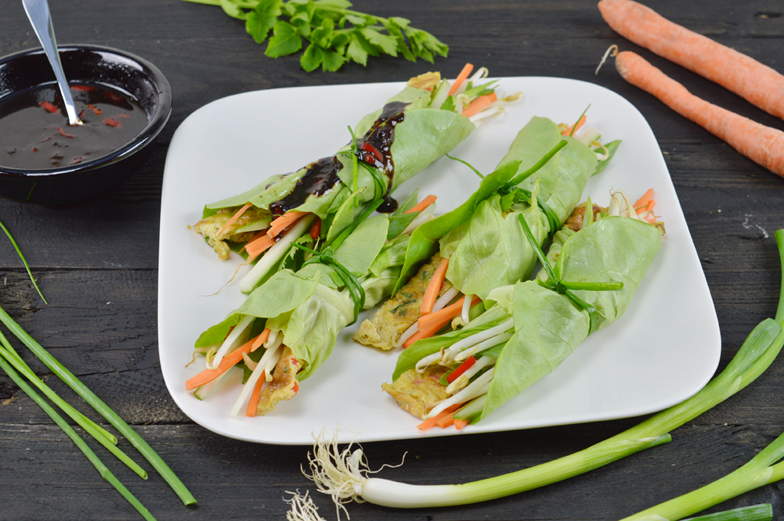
<point x="21" y="366"/>
<point x="539" y="164"/>
<point x="137" y="441"/>
<point x="24" y="261"/>
<point x="102" y="436"/>
<point x="80" y="443"/>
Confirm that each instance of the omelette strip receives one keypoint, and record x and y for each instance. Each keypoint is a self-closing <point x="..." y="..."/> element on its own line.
<point x="418" y="393"/>
<point x="400" y="312"/>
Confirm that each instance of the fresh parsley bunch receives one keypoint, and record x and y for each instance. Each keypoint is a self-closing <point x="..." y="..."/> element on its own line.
<point x="335" y="34"/>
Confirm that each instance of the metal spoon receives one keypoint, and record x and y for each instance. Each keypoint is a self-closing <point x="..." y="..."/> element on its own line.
<point x="38" y="13"/>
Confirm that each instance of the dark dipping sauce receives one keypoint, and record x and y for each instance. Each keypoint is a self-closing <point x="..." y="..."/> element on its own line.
<point x="373" y="148"/>
<point x="319" y="179"/>
<point x="35" y="134"/>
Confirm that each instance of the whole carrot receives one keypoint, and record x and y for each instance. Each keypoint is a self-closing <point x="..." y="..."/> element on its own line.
<point x="761" y="144"/>
<point x="758" y="83"/>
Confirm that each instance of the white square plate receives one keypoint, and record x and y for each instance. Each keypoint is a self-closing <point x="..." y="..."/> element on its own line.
<point x="662" y="351"/>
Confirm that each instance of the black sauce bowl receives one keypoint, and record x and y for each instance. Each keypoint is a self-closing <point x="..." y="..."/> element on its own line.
<point x="96" y="65"/>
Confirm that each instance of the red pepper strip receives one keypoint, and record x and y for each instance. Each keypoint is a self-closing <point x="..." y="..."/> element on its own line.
<point x="315" y="230"/>
<point x="462" y="368"/>
<point x="367" y="147"/>
<point x="48" y="106"/>
<point x="63" y="133"/>
<point x="83" y="88"/>
<point x="95" y="109"/>
<point x="111" y="122"/>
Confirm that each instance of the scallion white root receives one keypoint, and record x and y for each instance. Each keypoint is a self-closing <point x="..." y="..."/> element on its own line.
<point x="462" y="380"/>
<point x="224" y="348"/>
<point x="475" y="389"/>
<point x="448" y="296"/>
<point x="275" y="253"/>
<point x="302" y="508"/>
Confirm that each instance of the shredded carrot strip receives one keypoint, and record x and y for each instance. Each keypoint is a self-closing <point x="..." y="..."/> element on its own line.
<point x="480" y="104"/>
<point x="258" y="246"/>
<point x="424" y="203"/>
<point x="647" y="196"/>
<point x="234" y="218"/>
<point x="259" y="235"/>
<point x="446" y="421"/>
<point x="283" y="222"/>
<point x="651" y="218"/>
<point x="447" y="313"/>
<point x="461" y="78"/>
<point x="645" y="208"/>
<point x="227" y="363"/>
<point x="569" y="132"/>
<point x="260" y="339"/>
<point x="460" y="424"/>
<point x="433" y="287"/>
<point x="431" y="422"/>
<point x="413" y="338"/>
<point x="254" y="397"/>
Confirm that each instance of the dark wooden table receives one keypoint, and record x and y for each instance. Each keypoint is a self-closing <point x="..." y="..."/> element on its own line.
<point x="97" y="264"/>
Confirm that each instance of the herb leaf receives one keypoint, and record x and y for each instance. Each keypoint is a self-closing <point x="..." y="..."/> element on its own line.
<point x="261" y="20"/>
<point x="336" y="34"/>
<point x="284" y="40"/>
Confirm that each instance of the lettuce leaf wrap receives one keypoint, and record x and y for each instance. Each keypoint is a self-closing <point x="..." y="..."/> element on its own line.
<point x="483" y="239"/>
<point x="530" y="328"/>
<point x="295" y="316"/>
<point x="386" y="148"/>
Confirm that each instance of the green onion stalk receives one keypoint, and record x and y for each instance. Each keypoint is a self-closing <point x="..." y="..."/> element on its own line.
<point x="137" y="441"/>
<point x="763" y="512"/>
<point x="68" y="430"/>
<point x="345" y="474"/>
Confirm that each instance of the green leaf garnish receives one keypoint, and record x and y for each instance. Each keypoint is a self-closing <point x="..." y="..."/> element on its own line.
<point x="335" y="33"/>
<point x="285" y="40"/>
